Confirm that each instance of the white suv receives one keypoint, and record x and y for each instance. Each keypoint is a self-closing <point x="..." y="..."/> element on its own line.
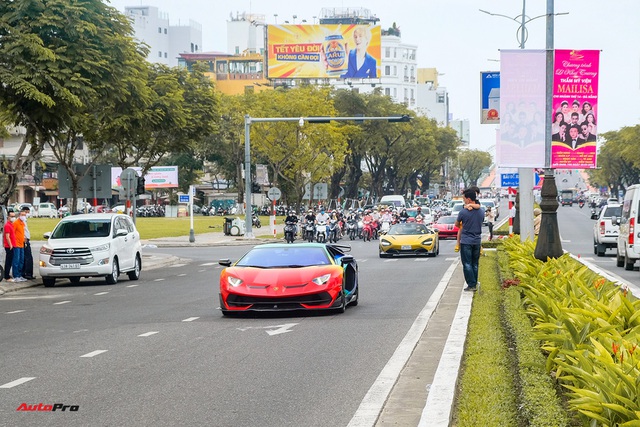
<point x="605" y="231"/>
<point x="91" y="245"/>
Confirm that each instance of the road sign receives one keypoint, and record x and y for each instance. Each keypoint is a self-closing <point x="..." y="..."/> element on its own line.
<point x="183" y="198"/>
<point x="509" y="180"/>
<point x="128" y="176"/>
<point x="274" y="193"/>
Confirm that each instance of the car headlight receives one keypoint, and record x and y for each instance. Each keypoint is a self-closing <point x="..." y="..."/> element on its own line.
<point x="234" y="281"/>
<point x="322" y="280"/>
<point x="45" y="250"/>
<point x="428" y="241"/>
<point x="101" y="248"/>
<point x="385" y="242"/>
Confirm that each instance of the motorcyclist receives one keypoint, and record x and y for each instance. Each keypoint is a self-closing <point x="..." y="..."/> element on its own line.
<point x="292" y="217"/>
<point x="322" y="216"/>
<point x="403" y="214"/>
<point x="310" y="217"/>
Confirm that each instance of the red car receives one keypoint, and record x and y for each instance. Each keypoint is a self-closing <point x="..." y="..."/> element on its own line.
<point x="446" y="226"/>
<point x="277" y="277"/>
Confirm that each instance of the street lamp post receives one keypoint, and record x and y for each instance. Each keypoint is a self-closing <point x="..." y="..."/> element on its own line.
<point x="248" y="120"/>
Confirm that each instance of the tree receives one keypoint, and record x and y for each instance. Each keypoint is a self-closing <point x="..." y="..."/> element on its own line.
<point x="57" y="60"/>
<point x="471" y="163"/>
<point x="618" y="160"/>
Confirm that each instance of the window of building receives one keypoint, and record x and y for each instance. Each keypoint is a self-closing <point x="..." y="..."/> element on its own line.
<point x="192" y="47"/>
<point x="395" y="70"/>
<point x="395" y="53"/>
<point x="237" y="50"/>
<point x="159" y="30"/>
<point x="196" y="48"/>
<point x="387" y="70"/>
<point x="165" y="31"/>
<point x="387" y="91"/>
<point x="165" y="54"/>
<point x="387" y="52"/>
<point x="406" y="93"/>
<point x="441" y="98"/>
<point x="159" y="54"/>
<point x="395" y="92"/>
<point x="412" y="95"/>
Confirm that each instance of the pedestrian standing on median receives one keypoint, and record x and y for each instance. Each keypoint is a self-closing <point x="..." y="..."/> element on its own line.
<point x="470" y="222"/>
<point x="18" y="251"/>
<point x="489" y="217"/>
<point x="9" y="242"/>
<point x="27" y="269"/>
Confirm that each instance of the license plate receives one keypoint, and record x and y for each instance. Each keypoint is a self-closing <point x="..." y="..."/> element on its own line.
<point x="69" y="266"/>
<point x="406" y="247"/>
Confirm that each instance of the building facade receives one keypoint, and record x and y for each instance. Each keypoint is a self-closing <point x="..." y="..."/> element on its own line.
<point x="166" y="41"/>
<point x="432" y="99"/>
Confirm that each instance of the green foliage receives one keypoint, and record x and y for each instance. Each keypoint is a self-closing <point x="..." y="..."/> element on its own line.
<point x="589" y="328"/>
<point x="486" y="395"/>
<point x="471" y="163"/>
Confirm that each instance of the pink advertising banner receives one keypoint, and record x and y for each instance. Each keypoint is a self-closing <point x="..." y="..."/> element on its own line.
<point x="522" y="109"/>
<point x="575" y="104"/>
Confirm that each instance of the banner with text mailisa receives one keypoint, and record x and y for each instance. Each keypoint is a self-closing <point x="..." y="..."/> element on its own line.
<point x="323" y="51"/>
<point x="574" y="128"/>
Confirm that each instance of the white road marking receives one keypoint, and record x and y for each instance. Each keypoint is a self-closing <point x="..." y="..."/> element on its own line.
<point x="451" y="259"/>
<point x="60" y="302"/>
<point x="363" y="260"/>
<point x="190" y="319"/>
<point x="421" y="259"/>
<point x="182" y="274"/>
<point x="101" y="293"/>
<point x="201" y="271"/>
<point x="177" y="265"/>
<point x="15" y="311"/>
<point x="131" y="286"/>
<point x="374" y="400"/>
<point x="273" y="330"/>
<point x="94" y="353"/>
<point x="158" y="280"/>
<point x="148" y="334"/>
<point x="207" y="264"/>
<point x="17" y="382"/>
<point x="80" y="330"/>
<point x="390" y="260"/>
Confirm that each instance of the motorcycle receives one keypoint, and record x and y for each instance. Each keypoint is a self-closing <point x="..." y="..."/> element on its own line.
<point x="334" y="229"/>
<point x="367" y="231"/>
<point x="289" y="231"/>
<point x="352" y="229"/>
<point x="309" y="231"/>
<point x="321" y="232"/>
<point x="384" y="228"/>
<point x="255" y="220"/>
<point x="594" y="214"/>
<point x="581" y="204"/>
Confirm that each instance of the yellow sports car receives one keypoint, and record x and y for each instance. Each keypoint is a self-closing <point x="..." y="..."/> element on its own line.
<point x="409" y="239"/>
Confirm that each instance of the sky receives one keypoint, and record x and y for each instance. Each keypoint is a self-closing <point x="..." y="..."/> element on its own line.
<point x="460" y="41"/>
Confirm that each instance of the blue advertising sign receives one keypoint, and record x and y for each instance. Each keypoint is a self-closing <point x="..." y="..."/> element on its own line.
<point x="509" y="180"/>
<point x="490" y="97"/>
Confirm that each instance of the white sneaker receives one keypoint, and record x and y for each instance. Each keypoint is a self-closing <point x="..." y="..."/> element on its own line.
<point x="20" y="279"/>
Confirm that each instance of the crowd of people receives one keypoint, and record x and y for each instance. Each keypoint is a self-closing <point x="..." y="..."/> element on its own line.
<point x="16" y="240"/>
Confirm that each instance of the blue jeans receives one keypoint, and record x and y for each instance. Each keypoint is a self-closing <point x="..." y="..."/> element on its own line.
<point x="470" y="256"/>
<point x="18" y="261"/>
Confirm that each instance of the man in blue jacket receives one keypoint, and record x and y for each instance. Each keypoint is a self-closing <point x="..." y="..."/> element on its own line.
<point x="470" y="223"/>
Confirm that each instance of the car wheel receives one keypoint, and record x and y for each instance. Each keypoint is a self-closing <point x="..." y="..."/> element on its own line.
<point x="112" y="278"/>
<point x="628" y="263"/>
<point x="48" y="282"/>
<point x="135" y="273"/>
<point x="600" y="250"/>
<point x="343" y="304"/>
<point x="74" y="280"/>
<point x="234" y="230"/>
<point x="595" y="247"/>
<point x="356" y="296"/>
<point x="619" y="261"/>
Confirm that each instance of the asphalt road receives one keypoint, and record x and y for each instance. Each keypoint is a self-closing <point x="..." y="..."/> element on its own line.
<point x="158" y="352"/>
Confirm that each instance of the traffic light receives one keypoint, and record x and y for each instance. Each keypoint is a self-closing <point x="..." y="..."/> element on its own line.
<point x="140" y="185"/>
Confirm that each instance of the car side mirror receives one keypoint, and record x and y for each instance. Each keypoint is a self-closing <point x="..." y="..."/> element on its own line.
<point x="47" y="235"/>
<point x="346" y="259"/>
<point x="121" y="232"/>
<point x="225" y="262"/>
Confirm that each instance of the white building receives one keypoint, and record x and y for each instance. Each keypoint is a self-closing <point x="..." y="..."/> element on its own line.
<point x="245" y="32"/>
<point x="461" y="126"/>
<point x="432" y="99"/>
<point x="165" y="41"/>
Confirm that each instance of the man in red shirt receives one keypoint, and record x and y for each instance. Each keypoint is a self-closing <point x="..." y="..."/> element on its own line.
<point x="9" y="242"/>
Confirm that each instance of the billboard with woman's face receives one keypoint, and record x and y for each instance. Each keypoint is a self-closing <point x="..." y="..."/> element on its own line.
<point x="323" y="51"/>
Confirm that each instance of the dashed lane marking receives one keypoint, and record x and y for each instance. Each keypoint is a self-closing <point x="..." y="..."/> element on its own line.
<point x="421" y="259"/>
<point x="101" y="293"/>
<point x="148" y="334"/>
<point x="206" y="264"/>
<point x="190" y="319"/>
<point x="131" y="286"/>
<point x="158" y="280"/>
<point x="17" y="382"/>
<point x="60" y="302"/>
<point x="182" y="274"/>
<point x="177" y="265"/>
<point x="390" y="260"/>
<point x="201" y="271"/>
<point x="451" y="259"/>
<point x="15" y="311"/>
<point x="94" y="353"/>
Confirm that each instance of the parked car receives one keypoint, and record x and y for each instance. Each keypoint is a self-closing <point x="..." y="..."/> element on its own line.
<point x="628" y="248"/>
<point x="606" y="229"/>
<point x="45" y="210"/>
<point x="91" y="245"/>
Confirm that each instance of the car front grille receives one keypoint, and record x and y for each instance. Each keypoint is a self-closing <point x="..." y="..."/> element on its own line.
<point x="80" y="256"/>
<point x="281" y="303"/>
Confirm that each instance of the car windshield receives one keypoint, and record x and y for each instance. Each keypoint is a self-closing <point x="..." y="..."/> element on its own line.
<point x="407" y="229"/>
<point x="290" y="256"/>
<point x="613" y="211"/>
<point x="447" y="220"/>
<point x="82" y="228"/>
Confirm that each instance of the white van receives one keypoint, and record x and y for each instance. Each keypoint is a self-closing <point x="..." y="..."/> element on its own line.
<point x="45" y="210"/>
<point x="393" y="200"/>
<point x="628" y="248"/>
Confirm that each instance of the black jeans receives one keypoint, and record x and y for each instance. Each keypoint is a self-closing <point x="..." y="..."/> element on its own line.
<point x="8" y="262"/>
<point x="489" y="225"/>
<point x="27" y="269"/>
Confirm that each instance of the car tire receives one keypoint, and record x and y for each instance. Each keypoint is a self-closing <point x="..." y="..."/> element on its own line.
<point x="595" y="247"/>
<point x="234" y="230"/>
<point x="354" y="300"/>
<point x="48" y="282"/>
<point x="600" y="250"/>
<point x="135" y="273"/>
<point x="74" y="280"/>
<point x="628" y="263"/>
<point x="112" y="278"/>
<point x="343" y="304"/>
<point x="619" y="261"/>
